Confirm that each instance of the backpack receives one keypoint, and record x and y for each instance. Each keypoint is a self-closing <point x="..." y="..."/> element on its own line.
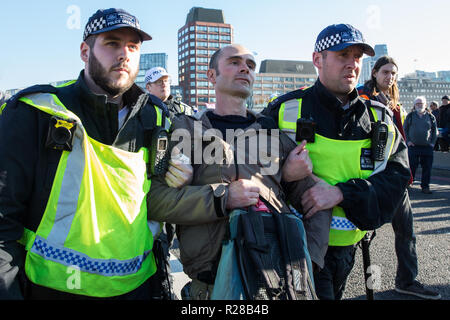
<point x="264" y="257"/>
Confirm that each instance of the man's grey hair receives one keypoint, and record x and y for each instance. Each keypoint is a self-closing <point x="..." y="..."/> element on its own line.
<point x="421" y="98"/>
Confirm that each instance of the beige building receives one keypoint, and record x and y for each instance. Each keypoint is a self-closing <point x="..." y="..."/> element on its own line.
<point x="410" y="88"/>
<point x="277" y="77"/>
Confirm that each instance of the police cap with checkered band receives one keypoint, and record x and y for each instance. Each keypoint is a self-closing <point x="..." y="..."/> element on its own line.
<point x="337" y="37"/>
<point x="111" y="19"/>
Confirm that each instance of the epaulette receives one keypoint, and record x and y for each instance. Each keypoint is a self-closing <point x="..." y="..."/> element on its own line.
<point x="296" y="94"/>
<point x="378" y="105"/>
<point x="40" y="88"/>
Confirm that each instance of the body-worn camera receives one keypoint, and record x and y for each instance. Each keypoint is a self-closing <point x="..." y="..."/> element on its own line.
<point x="379" y="140"/>
<point x="306" y="130"/>
<point x="60" y="134"/>
<point x="159" y="155"/>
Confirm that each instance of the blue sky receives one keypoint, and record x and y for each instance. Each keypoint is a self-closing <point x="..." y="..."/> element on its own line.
<point x="41" y="39"/>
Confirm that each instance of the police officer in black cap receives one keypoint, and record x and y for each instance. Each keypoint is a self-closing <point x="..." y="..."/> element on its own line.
<point x="73" y="211"/>
<point x="357" y="153"/>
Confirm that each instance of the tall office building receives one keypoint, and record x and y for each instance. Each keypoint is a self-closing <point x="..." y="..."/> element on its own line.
<point x="148" y="61"/>
<point x="369" y="62"/>
<point x="204" y="32"/>
<point x="416" y="84"/>
<point x="277" y="77"/>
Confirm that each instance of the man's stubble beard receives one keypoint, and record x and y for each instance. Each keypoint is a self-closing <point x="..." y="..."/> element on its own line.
<point x="100" y="77"/>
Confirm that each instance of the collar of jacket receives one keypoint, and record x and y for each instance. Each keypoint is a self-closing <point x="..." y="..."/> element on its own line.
<point x="329" y="100"/>
<point x="261" y="121"/>
<point x="98" y="102"/>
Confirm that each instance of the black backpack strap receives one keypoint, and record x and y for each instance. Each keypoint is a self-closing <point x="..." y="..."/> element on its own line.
<point x="254" y="256"/>
<point x="295" y="260"/>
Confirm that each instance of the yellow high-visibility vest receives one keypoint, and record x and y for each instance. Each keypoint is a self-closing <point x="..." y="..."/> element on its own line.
<point x="336" y="161"/>
<point x="94" y="237"/>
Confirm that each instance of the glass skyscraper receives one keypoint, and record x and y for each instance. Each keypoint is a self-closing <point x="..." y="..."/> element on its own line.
<point x="148" y="61"/>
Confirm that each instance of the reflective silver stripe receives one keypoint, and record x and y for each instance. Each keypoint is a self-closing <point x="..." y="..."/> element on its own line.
<point x="70" y="258"/>
<point x="290" y="115"/>
<point x="291" y="111"/>
<point x="69" y="194"/>
<point x="71" y="183"/>
<point x="167" y="124"/>
<point x="46" y="100"/>
<point x="341" y="223"/>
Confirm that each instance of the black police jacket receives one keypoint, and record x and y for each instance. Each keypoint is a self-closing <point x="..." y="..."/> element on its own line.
<point x="368" y="203"/>
<point x="27" y="167"/>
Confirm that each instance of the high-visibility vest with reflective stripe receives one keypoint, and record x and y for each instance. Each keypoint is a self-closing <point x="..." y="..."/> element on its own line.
<point x="93" y="238"/>
<point x="403" y="113"/>
<point x="343" y="165"/>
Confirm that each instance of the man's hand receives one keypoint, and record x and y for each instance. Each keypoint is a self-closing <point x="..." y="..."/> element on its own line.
<point x="242" y="193"/>
<point x="179" y="174"/>
<point x="321" y="196"/>
<point x="298" y="165"/>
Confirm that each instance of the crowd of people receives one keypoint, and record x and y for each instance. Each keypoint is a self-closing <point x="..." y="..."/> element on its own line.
<point x="110" y="187"/>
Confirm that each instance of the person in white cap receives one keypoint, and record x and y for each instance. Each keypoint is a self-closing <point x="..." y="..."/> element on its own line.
<point x="157" y="82"/>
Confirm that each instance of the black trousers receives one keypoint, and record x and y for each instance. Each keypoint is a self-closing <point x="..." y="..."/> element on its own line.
<point x="330" y="281"/>
<point x="405" y="243"/>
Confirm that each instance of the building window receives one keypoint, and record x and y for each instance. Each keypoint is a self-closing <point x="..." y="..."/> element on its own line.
<point x="202" y="84"/>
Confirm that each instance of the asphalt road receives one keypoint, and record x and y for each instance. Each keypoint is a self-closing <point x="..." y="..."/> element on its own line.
<point x="432" y="229"/>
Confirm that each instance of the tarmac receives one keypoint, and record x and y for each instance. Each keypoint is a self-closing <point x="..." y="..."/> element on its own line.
<point x="432" y="228"/>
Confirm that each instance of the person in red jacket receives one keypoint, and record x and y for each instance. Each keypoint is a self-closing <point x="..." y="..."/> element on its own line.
<point x="382" y="87"/>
